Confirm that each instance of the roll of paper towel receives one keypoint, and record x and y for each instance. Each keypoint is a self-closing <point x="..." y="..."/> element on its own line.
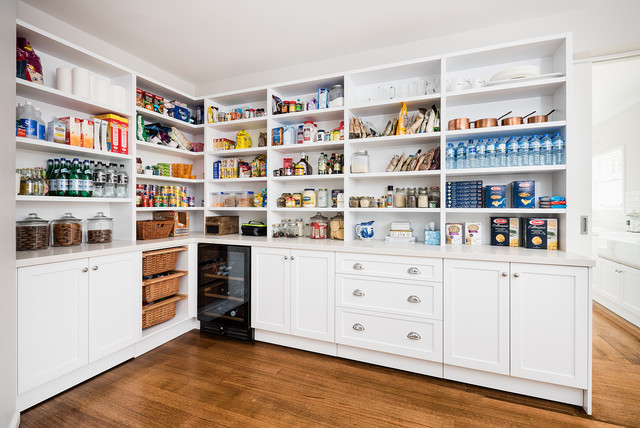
<point x="93" y="86"/>
<point x="102" y="91"/>
<point x="81" y="82"/>
<point x="63" y="79"/>
<point x="117" y="97"/>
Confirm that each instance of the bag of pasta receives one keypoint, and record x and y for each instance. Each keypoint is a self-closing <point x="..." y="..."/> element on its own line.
<point x="243" y="140"/>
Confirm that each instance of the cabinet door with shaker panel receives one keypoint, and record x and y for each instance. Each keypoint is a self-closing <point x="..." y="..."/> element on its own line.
<point x="270" y="289"/>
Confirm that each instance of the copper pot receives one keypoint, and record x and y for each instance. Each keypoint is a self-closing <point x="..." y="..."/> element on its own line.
<point x="540" y="118"/>
<point x="460" y="123"/>
<point x="485" y="123"/>
<point x="516" y="120"/>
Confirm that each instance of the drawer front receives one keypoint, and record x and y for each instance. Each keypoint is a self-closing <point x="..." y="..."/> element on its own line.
<point x="397" y="267"/>
<point x="392" y="334"/>
<point x="410" y="298"/>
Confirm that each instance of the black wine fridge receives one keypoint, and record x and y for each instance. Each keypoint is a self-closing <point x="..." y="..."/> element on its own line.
<point x="224" y="288"/>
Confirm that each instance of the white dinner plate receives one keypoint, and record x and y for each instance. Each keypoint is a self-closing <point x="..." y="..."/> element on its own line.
<point x="524" y="79"/>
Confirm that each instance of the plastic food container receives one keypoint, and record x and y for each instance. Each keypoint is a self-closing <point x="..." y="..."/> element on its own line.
<point x="244" y="199"/>
<point x="32" y="233"/>
<point x="228" y="199"/>
<point x="66" y="231"/>
<point x="216" y="200"/>
<point x="99" y="229"/>
<point x="336" y="96"/>
<point x="360" y="162"/>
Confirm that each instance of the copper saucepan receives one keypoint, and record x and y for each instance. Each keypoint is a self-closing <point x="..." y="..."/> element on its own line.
<point x="541" y="118"/>
<point x="516" y="120"/>
<point x="485" y="123"/>
<point x="460" y="123"/>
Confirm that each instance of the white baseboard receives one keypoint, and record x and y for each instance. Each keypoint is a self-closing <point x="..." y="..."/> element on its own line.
<point x="15" y="420"/>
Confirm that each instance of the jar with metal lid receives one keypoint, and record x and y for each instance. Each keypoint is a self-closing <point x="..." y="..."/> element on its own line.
<point x="400" y="198"/>
<point x="32" y="233"/>
<point x="412" y="200"/>
<point x="336" y="96"/>
<point x="275" y="230"/>
<point x="319" y="226"/>
<point x="66" y="231"/>
<point x="366" y="201"/>
<point x="280" y="202"/>
<point x="423" y="197"/>
<point x="298" y="197"/>
<point x="354" y="202"/>
<point x="99" y="229"/>
<point x="434" y="197"/>
<point x="322" y="199"/>
<point x="360" y="162"/>
<point x="336" y="227"/>
<point x="309" y="198"/>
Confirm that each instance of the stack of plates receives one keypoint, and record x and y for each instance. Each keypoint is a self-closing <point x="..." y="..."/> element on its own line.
<point x="518" y="72"/>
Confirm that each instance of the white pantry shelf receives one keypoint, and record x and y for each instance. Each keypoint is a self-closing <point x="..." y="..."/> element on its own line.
<point x="237" y="152"/>
<point x="240" y="124"/>
<point x="152" y="117"/>
<point x="31" y="144"/>
<point x="143" y="145"/>
<point x="164" y="179"/>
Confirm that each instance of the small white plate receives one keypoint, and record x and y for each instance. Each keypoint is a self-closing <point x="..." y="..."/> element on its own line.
<point x="524" y="79"/>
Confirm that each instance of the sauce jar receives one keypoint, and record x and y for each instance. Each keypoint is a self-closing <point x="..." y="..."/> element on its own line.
<point x="32" y="233"/>
<point x="309" y="198"/>
<point x="66" y="231"/>
<point x="99" y="229"/>
<point x="298" y="198"/>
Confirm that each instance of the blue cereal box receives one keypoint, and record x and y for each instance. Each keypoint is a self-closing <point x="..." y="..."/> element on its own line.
<point x="496" y="196"/>
<point x="523" y="194"/>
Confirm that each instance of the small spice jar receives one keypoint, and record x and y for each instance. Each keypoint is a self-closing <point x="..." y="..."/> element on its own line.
<point x="99" y="229"/>
<point x="423" y="197"/>
<point x="400" y="198"/>
<point x="412" y="200"/>
<point x="66" y="231"/>
<point x="32" y="233"/>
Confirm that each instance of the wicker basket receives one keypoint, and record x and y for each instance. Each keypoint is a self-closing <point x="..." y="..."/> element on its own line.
<point x="165" y="286"/>
<point x="161" y="311"/>
<point x="159" y="261"/>
<point x="153" y="229"/>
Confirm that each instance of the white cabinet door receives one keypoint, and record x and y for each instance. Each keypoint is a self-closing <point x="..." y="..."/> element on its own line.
<point x="549" y="317"/>
<point x="52" y="321"/>
<point x="312" y="294"/>
<point x="270" y="289"/>
<point x="610" y="284"/>
<point x="476" y="315"/>
<point x="114" y="303"/>
<point x="630" y="288"/>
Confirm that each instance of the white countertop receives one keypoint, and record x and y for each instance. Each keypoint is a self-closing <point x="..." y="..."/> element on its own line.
<point x="467" y="252"/>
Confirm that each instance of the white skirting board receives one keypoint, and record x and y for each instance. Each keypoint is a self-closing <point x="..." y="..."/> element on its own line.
<point x="311" y="345"/>
<point x="148" y="343"/>
<point x="399" y="362"/>
<point x="617" y="309"/>
<point x="15" y="420"/>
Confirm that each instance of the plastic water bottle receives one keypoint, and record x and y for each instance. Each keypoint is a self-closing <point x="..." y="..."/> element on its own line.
<point x="557" y="143"/>
<point x="42" y="134"/>
<point x="461" y="156"/>
<point x="546" y="153"/>
<point x="523" y="151"/>
<point x="29" y="120"/>
<point x="534" y="151"/>
<point x="112" y="180"/>
<point x="450" y="160"/>
<point x="512" y="152"/>
<point x="501" y="153"/>
<point x="123" y="182"/>
<point x="472" y="160"/>
<point x="481" y="154"/>
<point x="490" y="154"/>
<point x="99" y="180"/>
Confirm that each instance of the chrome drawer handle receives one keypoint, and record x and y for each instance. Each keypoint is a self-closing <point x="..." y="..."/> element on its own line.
<point x="358" y="327"/>
<point x="505" y="274"/>
<point x="358" y="266"/>
<point x="358" y="292"/>
<point x="414" y="336"/>
<point x="413" y="299"/>
<point x="414" y="271"/>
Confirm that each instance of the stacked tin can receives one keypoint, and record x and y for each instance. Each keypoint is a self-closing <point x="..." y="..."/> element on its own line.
<point x="150" y="195"/>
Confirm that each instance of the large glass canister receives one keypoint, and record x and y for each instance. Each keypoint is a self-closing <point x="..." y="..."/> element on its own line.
<point x="66" y="231"/>
<point x="336" y="96"/>
<point x="336" y="227"/>
<point x="319" y="226"/>
<point x="99" y="229"/>
<point x="32" y="233"/>
<point x="360" y="162"/>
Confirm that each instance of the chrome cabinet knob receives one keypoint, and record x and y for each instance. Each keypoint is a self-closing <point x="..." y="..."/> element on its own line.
<point x="413" y="299"/>
<point x="86" y="269"/>
<point x="516" y="275"/>
<point x="292" y="258"/>
<point x="414" y="271"/>
<point x="95" y="268"/>
<point x="505" y="274"/>
<point x="358" y="292"/>
<point x="286" y="257"/>
<point x="358" y="327"/>
<point x="358" y="266"/>
<point x="413" y="336"/>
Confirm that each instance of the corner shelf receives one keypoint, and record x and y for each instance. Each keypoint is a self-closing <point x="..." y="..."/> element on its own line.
<point x="299" y="117"/>
<point x="164" y="179"/>
<point x="237" y="152"/>
<point x="143" y="145"/>
<point x="240" y="124"/>
<point x="165" y="120"/>
<point x="309" y="147"/>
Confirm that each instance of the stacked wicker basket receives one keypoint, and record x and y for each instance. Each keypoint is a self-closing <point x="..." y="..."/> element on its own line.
<point x="160" y="285"/>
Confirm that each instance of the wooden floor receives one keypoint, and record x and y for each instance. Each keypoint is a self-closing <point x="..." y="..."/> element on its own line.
<point x="202" y="381"/>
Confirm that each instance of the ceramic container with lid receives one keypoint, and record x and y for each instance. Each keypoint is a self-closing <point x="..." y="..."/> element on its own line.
<point x="32" y="233"/>
<point x="66" y="231"/>
<point x="99" y="229"/>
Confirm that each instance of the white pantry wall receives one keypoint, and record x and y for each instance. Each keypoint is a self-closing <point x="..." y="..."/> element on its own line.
<point x="8" y="302"/>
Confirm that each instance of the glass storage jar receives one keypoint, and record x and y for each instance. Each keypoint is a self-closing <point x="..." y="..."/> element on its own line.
<point x="360" y="162"/>
<point x="336" y="96"/>
<point x="423" y="197"/>
<point x="400" y="198"/>
<point x="336" y="227"/>
<point x="434" y="197"/>
<point x="412" y="200"/>
<point x="319" y="226"/>
<point x="66" y="231"/>
<point x="32" y="233"/>
<point x="99" y="229"/>
<point x="366" y="201"/>
<point x="322" y="198"/>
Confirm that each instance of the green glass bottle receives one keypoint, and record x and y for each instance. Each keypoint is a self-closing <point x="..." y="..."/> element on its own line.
<point x="63" y="178"/>
<point x="75" y="179"/>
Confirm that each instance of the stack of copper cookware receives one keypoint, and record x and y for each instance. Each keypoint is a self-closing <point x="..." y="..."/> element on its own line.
<point x="465" y="123"/>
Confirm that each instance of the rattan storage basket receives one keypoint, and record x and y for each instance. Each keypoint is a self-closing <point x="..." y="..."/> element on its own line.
<point x="153" y="229"/>
<point x="164" y="286"/>
<point x="160" y="312"/>
<point x="159" y="261"/>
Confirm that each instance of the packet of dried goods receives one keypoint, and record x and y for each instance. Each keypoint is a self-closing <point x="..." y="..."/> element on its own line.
<point x="243" y="140"/>
<point x="402" y="121"/>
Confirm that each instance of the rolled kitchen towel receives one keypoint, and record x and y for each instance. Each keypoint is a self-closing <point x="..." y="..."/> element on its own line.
<point x="81" y="82"/>
<point x="63" y="79"/>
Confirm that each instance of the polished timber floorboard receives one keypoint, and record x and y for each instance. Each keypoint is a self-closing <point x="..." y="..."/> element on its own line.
<point x="202" y="381"/>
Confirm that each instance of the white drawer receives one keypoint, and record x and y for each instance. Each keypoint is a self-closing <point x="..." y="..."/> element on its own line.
<point x="392" y="334"/>
<point x="398" y="267"/>
<point x="416" y="299"/>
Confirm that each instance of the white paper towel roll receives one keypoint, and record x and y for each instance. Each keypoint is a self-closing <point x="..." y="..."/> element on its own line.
<point x="81" y="82"/>
<point x="102" y="91"/>
<point x="63" y="79"/>
<point x="117" y="97"/>
<point x="93" y="86"/>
